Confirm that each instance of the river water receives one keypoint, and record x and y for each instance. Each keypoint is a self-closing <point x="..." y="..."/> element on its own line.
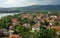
<point x="5" y="14"/>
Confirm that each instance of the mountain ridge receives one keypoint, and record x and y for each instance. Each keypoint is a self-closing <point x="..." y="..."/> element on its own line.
<point x="32" y="8"/>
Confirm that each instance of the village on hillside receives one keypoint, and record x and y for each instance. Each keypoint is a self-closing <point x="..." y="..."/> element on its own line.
<point x="31" y="25"/>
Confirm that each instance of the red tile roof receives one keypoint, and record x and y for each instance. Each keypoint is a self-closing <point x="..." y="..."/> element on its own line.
<point x="57" y="28"/>
<point x="14" y="20"/>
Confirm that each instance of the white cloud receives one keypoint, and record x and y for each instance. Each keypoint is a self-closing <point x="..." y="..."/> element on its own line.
<point x="13" y="3"/>
<point x="44" y="2"/>
<point x="20" y="3"/>
<point x="10" y="2"/>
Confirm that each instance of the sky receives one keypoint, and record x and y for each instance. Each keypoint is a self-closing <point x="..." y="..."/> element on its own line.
<point x="22" y="3"/>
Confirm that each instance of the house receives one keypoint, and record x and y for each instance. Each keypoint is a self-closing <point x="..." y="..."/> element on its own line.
<point x="26" y="25"/>
<point x="35" y="19"/>
<point x="51" y="24"/>
<point x="36" y="27"/>
<point x="11" y="30"/>
<point x="54" y="17"/>
<point x="4" y="32"/>
<point x="14" y="36"/>
<point x="30" y="17"/>
<point x="38" y="17"/>
<point x="14" y="21"/>
<point x="57" y="28"/>
<point x="26" y="16"/>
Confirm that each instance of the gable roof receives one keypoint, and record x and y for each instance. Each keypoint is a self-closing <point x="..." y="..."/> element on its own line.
<point x="57" y="28"/>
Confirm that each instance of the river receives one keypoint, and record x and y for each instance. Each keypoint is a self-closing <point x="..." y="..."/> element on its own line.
<point x="5" y="14"/>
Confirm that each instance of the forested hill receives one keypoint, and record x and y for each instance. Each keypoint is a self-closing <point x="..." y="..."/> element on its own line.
<point x="31" y="8"/>
<point x="41" y="7"/>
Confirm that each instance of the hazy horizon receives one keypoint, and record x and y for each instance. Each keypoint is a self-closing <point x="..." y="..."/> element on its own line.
<point x="23" y="3"/>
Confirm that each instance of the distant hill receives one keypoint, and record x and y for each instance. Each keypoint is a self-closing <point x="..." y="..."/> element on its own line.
<point x="31" y="8"/>
<point x="41" y="7"/>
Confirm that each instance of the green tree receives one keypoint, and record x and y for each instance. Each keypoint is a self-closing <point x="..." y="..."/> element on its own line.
<point x="5" y="22"/>
<point x="19" y="29"/>
<point x="45" y="33"/>
<point x="56" y="23"/>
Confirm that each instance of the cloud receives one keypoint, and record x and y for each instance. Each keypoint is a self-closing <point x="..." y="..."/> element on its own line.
<point x="13" y="3"/>
<point x="10" y="2"/>
<point x="20" y="3"/>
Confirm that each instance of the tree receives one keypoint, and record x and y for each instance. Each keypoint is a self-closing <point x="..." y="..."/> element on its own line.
<point x="45" y="23"/>
<point x="5" y="22"/>
<point x="19" y="29"/>
<point x="56" y="23"/>
<point x="45" y="33"/>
